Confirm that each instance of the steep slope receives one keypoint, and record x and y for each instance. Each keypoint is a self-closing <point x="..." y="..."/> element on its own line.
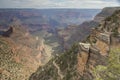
<point x="76" y="33"/>
<point x="70" y="34"/>
<point x="19" y="53"/>
<point x="96" y="58"/>
<point x="59" y="68"/>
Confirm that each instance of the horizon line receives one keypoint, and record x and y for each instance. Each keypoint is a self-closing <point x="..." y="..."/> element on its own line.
<point x="56" y="8"/>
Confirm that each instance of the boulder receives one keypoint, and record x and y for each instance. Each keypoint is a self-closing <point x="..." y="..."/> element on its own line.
<point x="84" y="46"/>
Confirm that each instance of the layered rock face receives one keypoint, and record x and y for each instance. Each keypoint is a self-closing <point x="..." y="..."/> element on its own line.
<point x="96" y="58"/>
<point x="19" y="53"/>
<point x="95" y="54"/>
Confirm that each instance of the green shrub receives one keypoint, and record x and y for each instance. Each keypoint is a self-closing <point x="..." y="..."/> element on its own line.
<point x="112" y="70"/>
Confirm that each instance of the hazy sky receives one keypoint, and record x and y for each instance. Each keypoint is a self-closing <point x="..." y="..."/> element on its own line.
<point x="58" y="3"/>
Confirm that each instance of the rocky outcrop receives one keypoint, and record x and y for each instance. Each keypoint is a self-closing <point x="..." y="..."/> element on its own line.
<point x="7" y="33"/>
<point x="92" y="54"/>
<point x="102" y="42"/>
<point x="105" y="13"/>
<point x="19" y="56"/>
<point x="89" y="57"/>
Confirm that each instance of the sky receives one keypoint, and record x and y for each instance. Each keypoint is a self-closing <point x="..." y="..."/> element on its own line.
<point x="59" y="3"/>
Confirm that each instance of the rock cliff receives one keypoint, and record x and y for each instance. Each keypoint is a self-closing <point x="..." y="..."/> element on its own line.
<point x="19" y="56"/>
<point x="96" y="58"/>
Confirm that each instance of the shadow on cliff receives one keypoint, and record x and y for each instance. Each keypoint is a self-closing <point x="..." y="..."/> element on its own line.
<point x="6" y="33"/>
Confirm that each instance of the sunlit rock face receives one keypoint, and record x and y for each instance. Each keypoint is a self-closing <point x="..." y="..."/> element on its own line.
<point x="91" y="59"/>
<point x="18" y="54"/>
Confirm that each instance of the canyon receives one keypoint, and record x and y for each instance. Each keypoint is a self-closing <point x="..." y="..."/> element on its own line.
<point x="95" y="58"/>
<point x="64" y="44"/>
